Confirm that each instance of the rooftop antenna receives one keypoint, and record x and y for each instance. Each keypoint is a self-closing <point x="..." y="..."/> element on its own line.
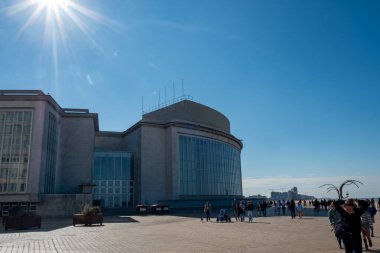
<point x="165" y="96"/>
<point x="173" y="92"/>
<point x="183" y="88"/>
<point x="142" y="105"/>
<point x="159" y="98"/>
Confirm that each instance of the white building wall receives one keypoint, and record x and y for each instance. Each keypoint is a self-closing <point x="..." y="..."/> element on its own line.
<point x="153" y="164"/>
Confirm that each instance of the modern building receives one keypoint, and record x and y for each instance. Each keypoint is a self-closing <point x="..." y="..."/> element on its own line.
<point x="55" y="159"/>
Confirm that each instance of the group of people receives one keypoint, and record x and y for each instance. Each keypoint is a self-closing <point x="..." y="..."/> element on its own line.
<point x="280" y="207"/>
<point x="352" y="222"/>
<point x="241" y="208"/>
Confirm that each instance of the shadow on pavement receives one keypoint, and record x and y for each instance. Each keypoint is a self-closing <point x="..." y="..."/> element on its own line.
<point x="118" y="219"/>
<point x="372" y="250"/>
<point x="50" y="224"/>
<point x="262" y="222"/>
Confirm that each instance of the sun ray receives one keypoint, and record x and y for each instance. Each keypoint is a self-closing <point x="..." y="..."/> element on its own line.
<point x="18" y="7"/>
<point x="29" y="21"/>
<point x="62" y="31"/>
<point x="58" y="19"/>
<point x="95" y="16"/>
<point x="58" y="13"/>
<point x="81" y="26"/>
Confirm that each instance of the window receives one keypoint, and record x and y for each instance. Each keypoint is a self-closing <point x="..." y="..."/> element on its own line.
<point x="51" y="154"/>
<point x="206" y="167"/>
<point x="112" y="174"/>
<point x="15" y="134"/>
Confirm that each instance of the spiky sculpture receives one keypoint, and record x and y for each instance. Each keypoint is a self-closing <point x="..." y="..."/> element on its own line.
<point x="339" y="190"/>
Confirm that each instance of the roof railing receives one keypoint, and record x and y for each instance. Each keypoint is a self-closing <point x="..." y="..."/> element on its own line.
<point x="167" y="103"/>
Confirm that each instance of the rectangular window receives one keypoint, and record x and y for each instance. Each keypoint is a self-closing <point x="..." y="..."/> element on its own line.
<point x="51" y="155"/>
<point x="15" y="135"/>
<point x="112" y="172"/>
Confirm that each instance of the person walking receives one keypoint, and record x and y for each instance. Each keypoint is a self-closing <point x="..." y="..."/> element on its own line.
<point x="283" y="207"/>
<point x="335" y="218"/>
<point x="292" y="208"/>
<point x="250" y="210"/>
<point x="351" y="222"/>
<point x="278" y="207"/>
<point x="264" y="208"/>
<point x="372" y="211"/>
<point x="235" y="208"/>
<point x="366" y="226"/>
<point x="242" y="211"/>
<point x="299" y="209"/>
<point x="207" y="210"/>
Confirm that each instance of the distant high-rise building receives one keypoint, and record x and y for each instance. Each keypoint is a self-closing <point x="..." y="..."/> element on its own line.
<point x="292" y="194"/>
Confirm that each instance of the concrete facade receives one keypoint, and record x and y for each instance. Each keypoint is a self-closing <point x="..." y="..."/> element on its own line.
<point x="153" y="141"/>
<point x="74" y="147"/>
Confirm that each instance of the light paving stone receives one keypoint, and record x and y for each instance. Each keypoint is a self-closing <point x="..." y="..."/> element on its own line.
<point x="178" y="234"/>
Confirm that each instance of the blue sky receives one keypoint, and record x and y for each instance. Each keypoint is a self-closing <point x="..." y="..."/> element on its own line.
<point x="299" y="80"/>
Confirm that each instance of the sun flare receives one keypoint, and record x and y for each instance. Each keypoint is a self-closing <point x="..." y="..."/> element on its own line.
<point x="55" y="23"/>
<point x="57" y="17"/>
<point x="52" y="3"/>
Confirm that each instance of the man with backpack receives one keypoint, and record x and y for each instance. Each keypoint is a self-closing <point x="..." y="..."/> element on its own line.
<point x="372" y="211"/>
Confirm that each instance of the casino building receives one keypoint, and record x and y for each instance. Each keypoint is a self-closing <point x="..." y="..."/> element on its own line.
<point x="53" y="159"/>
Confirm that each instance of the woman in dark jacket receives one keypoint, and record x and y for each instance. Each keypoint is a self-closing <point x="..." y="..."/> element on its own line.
<point x="350" y="214"/>
<point x="292" y="208"/>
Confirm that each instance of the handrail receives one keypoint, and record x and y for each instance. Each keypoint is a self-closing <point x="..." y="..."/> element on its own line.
<point x="168" y="103"/>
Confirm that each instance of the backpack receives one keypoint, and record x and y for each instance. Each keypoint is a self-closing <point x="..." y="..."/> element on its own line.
<point x="372" y="211"/>
<point x="340" y="229"/>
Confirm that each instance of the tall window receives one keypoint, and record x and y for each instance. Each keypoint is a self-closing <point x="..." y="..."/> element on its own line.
<point x="15" y="140"/>
<point x="113" y="175"/>
<point x="51" y="156"/>
<point x="209" y="167"/>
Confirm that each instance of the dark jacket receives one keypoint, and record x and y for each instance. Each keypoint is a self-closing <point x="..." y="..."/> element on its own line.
<point x="352" y="220"/>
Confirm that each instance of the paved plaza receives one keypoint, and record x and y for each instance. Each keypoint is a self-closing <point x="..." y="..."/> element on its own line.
<point x="169" y="233"/>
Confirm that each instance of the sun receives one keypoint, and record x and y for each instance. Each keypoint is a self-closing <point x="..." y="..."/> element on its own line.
<point x="58" y="15"/>
<point x="54" y="24"/>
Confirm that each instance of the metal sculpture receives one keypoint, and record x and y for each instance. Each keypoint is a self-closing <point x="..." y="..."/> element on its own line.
<point x="339" y="190"/>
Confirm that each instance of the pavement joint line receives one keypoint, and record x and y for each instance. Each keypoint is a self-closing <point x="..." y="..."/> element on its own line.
<point x="168" y="233"/>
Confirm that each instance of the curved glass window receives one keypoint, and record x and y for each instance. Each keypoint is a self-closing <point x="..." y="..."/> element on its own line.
<point x="209" y="167"/>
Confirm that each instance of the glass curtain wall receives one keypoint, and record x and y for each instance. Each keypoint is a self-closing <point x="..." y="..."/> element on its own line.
<point x="15" y="141"/>
<point x="51" y="157"/>
<point x="209" y="167"/>
<point x="113" y="175"/>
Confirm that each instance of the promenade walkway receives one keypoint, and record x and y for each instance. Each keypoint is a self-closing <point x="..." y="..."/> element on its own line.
<point x="169" y="233"/>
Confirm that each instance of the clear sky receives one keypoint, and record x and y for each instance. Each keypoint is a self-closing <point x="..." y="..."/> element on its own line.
<point x="299" y="80"/>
